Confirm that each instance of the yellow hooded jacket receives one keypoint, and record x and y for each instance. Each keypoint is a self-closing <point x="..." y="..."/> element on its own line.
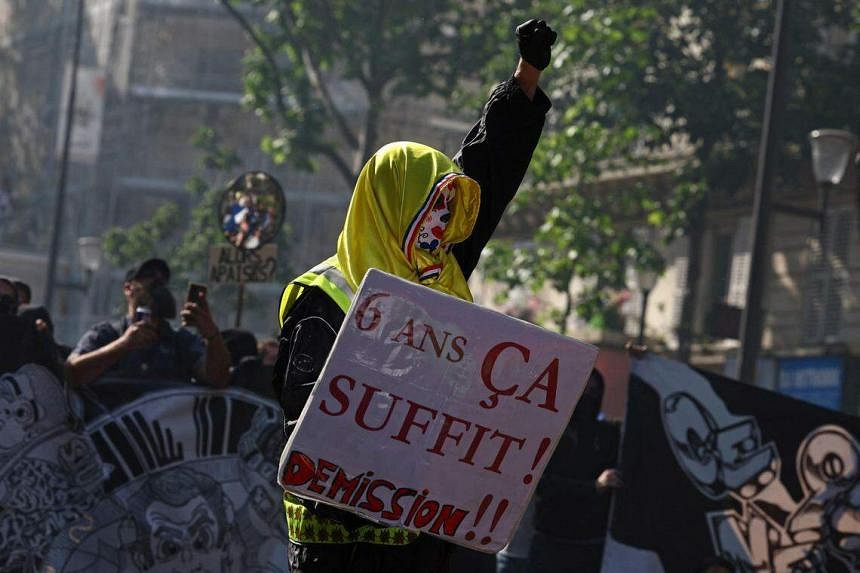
<point x="395" y="196"/>
<point x="409" y="206"/>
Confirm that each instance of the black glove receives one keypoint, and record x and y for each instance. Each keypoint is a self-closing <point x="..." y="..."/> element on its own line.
<point x="535" y="40"/>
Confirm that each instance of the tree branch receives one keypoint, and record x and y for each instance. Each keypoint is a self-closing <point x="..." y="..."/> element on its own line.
<point x="342" y="167"/>
<point x="321" y="89"/>
<point x="375" y="87"/>
<point x="316" y="81"/>
<point x="267" y="54"/>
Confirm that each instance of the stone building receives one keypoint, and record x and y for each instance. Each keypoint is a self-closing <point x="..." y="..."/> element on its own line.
<point x="151" y="73"/>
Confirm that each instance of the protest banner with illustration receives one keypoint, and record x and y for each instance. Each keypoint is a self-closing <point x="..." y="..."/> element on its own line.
<point x="719" y="470"/>
<point x="138" y="475"/>
<point x="434" y="414"/>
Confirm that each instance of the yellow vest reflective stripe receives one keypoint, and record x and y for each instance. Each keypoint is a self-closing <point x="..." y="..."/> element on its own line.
<point x="305" y="527"/>
<point x="325" y="276"/>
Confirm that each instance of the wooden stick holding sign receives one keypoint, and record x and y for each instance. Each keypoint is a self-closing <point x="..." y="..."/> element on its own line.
<point x="434" y="414"/>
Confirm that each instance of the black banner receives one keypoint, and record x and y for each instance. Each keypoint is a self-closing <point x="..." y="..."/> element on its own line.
<point x="138" y="476"/>
<point x="719" y="470"/>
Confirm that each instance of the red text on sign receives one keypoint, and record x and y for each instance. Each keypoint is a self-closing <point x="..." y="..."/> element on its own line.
<point x="408" y="420"/>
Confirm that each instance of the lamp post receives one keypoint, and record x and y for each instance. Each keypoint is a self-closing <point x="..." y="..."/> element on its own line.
<point x="832" y="150"/>
<point x="90" y="257"/>
<point x="90" y="253"/>
<point x="68" y="121"/>
<point x="774" y="107"/>
<point x="646" y="279"/>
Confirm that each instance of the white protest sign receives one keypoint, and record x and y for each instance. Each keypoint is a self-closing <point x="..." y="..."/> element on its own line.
<point x="227" y="264"/>
<point x="434" y="414"/>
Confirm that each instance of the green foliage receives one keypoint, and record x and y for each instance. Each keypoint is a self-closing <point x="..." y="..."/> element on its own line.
<point x="629" y="79"/>
<point x="310" y="56"/>
<point x="125" y="247"/>
<point x="191" y="255"/>
<point x="187" y="252"/>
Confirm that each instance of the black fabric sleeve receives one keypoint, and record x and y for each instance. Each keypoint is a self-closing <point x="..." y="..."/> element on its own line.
<point x="496" y="153"/>
<point x="304" y="344"/>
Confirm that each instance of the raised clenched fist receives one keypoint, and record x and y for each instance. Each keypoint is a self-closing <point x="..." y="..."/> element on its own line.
<point x="535" y="40"/>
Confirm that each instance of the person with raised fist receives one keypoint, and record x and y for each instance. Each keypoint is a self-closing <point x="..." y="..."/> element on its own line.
<point x="421" y="216"/>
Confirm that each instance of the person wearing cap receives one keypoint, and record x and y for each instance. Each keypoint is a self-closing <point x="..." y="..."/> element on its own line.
<point x="142" y="344"/>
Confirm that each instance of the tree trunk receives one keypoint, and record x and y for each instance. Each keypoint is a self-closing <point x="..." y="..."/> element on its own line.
<point x="370" y="133"/>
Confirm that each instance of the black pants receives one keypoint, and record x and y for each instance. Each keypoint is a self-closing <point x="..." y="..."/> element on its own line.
<point x="555" y="555"/>
<point x="424" y="555"/>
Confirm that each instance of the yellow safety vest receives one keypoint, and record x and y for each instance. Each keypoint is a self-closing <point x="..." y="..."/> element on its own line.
<point x="302" y="524"/>
<point x="325" y="276"/>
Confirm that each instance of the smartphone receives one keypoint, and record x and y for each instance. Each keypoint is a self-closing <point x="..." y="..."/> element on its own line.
<point x="196" y="293"/>
<point x="143" y="314"/>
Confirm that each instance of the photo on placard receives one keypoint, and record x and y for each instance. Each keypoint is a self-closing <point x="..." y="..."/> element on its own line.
<point x="251" y="210"/>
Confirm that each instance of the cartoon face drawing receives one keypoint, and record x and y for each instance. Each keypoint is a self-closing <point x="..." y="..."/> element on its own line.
<point x="181" y="520"/>
<point x="19" y="411"/>
<point x="436" y="221"/>
<point x="184" y="537"/>
<point x="721" y="453"/>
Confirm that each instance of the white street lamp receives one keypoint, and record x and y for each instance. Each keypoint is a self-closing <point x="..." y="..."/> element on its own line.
<point x="90" y="253"/>
<point x="832" y="149"/>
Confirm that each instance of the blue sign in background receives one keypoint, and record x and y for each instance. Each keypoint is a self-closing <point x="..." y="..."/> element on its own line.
<point x="817" y="380"/>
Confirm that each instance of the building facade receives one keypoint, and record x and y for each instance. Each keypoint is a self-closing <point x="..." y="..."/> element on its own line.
<point x="152" y="72"/>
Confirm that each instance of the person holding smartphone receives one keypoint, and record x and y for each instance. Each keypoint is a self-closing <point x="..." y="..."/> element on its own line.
<point x="144" y="345"/>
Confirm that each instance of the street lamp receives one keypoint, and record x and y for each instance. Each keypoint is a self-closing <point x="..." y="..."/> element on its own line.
<point x="646" y="279"/>
<point x="831" y="151"/>
<point x="90" y="257"/>
<point x="90" y="253"/>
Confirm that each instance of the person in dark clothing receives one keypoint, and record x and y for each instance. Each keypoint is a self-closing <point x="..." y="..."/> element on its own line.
<point x="142" y="344"/>
<point x="572" y="505"/>
<point x="246" y="368"/>
<point x="443" y="213"/>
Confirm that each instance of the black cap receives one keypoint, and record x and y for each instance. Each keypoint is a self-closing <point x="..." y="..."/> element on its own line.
<point x="150" y="268"/>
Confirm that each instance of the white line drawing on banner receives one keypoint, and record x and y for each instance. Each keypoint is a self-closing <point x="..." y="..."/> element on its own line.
<point x="725" y="457"/>
<point x="169" y="478"/>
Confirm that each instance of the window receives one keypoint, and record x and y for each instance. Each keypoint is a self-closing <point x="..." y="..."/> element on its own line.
<point x="740" y="269"/>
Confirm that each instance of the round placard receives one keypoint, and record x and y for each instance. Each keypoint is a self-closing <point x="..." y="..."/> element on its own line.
<point x="251" y="210"/>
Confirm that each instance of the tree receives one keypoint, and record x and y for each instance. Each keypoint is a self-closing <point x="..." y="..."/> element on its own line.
<point x="304" y="56"/>
<point x="184" y="242"/>
<point x="669" y="70"/>
<point x="588" y="231"/>
<point x="305" y="52"/>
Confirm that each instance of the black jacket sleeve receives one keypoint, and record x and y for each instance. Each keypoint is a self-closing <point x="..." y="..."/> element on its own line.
<point x="496" y="153"/>
<point x="306" y="339"/>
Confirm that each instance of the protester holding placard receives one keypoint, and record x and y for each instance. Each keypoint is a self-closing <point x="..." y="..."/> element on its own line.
<point x="418" y="215"/>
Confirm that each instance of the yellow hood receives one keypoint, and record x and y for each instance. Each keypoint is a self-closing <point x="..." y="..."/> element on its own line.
<point x="394" y="195"/>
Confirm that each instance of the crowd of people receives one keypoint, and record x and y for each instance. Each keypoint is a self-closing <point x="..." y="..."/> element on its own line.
<point x="141" y="344"/>
<point x="414" y="213"/>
